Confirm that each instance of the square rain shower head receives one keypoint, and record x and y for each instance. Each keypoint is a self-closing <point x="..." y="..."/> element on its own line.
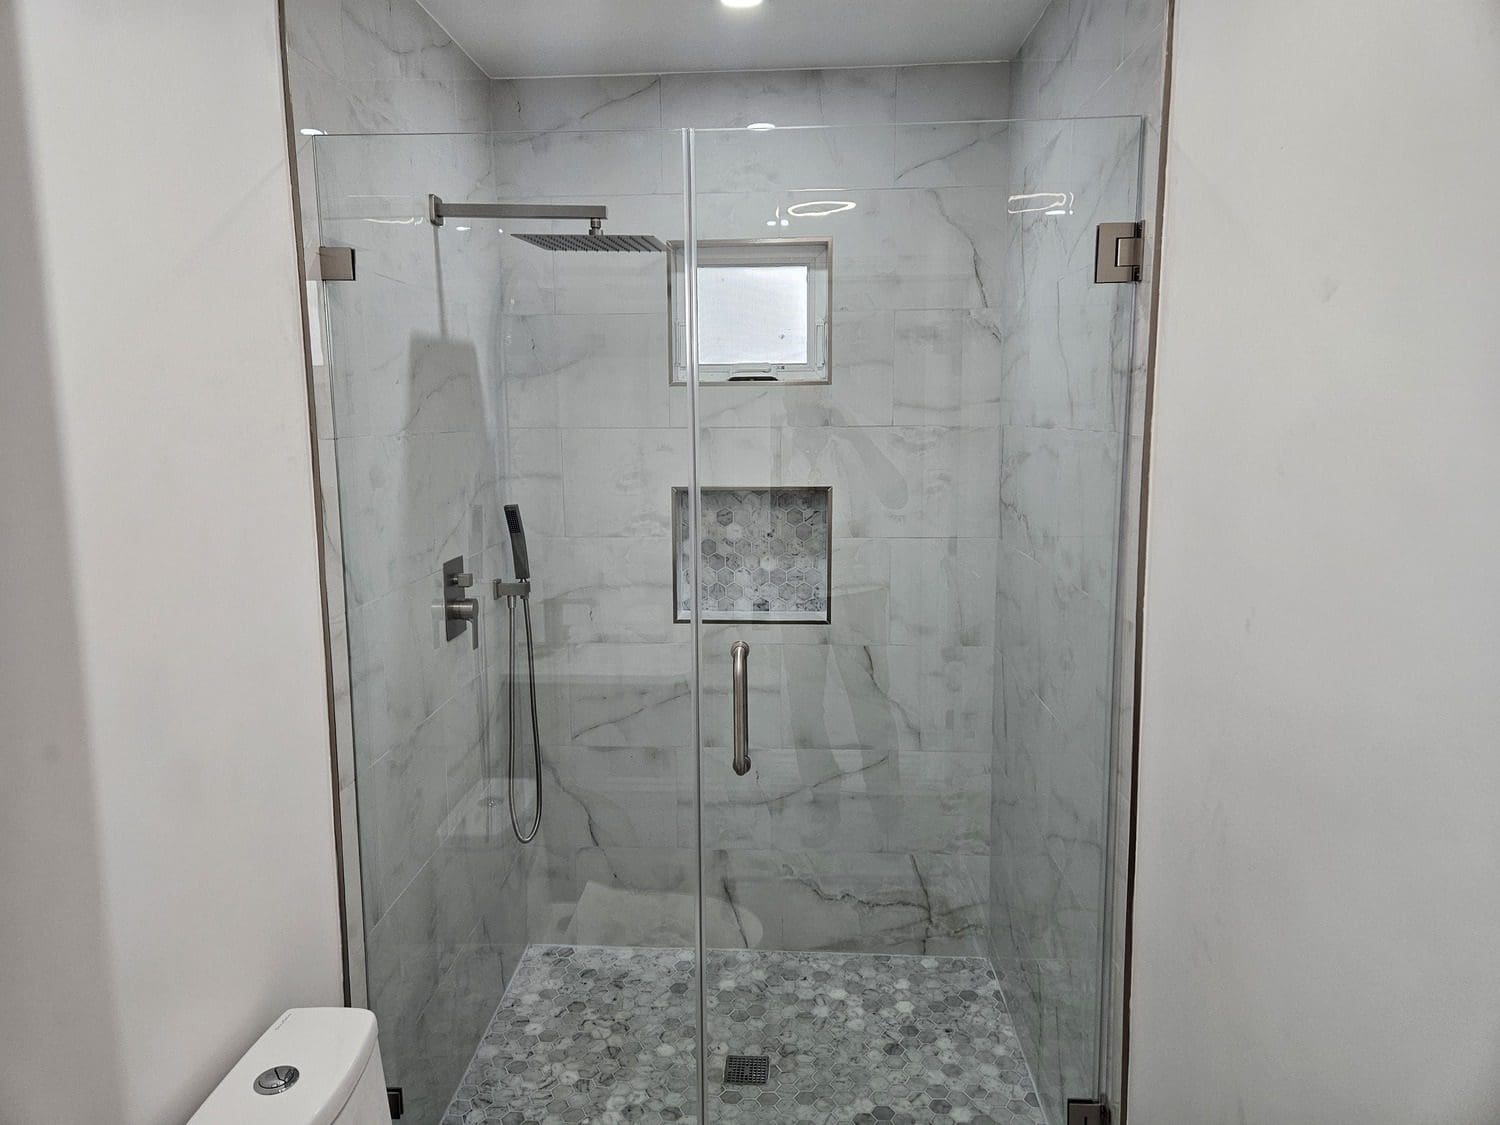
<point x="616" y="243"/>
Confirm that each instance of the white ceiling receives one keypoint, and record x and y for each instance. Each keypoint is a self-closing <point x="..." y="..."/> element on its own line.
<point x="526" y="38"/>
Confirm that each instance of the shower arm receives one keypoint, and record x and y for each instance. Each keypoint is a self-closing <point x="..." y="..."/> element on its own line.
<point x="438" y="210"/>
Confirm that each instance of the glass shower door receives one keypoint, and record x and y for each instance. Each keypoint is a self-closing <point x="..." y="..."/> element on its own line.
<point x="468" y="371"/>
<point x="911" y="404"/>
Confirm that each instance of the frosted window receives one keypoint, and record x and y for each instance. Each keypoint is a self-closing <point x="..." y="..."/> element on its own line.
<point x="753" y="315"/>
<point x="764" y="311"/>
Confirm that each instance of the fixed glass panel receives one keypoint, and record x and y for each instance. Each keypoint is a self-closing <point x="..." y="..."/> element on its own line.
<point x="470" y="371"/>
<point x="904" y="805"/>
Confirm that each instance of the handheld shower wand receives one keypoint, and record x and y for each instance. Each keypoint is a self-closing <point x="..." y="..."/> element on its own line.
<point x="519" y="590"/>
<point x="517" y="542"/>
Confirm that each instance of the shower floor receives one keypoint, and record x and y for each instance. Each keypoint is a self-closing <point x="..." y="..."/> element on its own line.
<point x="605" y="1035"/>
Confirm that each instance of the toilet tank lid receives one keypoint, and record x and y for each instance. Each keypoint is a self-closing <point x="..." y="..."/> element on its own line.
<point x="330" y="1048"/>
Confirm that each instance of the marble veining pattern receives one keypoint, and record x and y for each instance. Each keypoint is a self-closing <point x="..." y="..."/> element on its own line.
<point x="764" y="554"/>
<point x="598" y="1034"/>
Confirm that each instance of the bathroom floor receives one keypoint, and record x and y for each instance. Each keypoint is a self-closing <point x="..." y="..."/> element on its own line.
<point x="599" y="1034"/>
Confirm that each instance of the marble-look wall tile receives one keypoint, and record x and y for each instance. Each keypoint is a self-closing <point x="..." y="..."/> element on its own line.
<point x="837" y="801"/>
<point x="950" y="366"/>
<point x="790" y="160"/>
<point x="599" y="590"/>
<point x="379" y="65"/>
<point x="403" y="667"/>
<point x="437" y="972"/>
<point x="782" y="899"/>
<point x="603" y="284"/>
<point x="973" y="92"/>
<point x="863" y="578"/>
<point x="951" y="155"/>
<point x="953" y="703"/>
<point x="942" y="592"/>
<point x="441" y="1039"/>
<point x="902" y="481"/>
<point x="315" y="34"/>
<point x="405" y="796"/>
<point x="397" y="39"/>
<point x="618" y="482"/>
<point x="534" y="479"/>
<point x="559" y="164"/>
<point x="880" y="903"/>
<point x="728" y="99"/>
<point x="423" y="498"/>
<point x="590" y="894"/>
<point x="614" y="796"/>
<point x="376" y="179"/>
<point x="1060" y="502"/>
<point x="553" y="676"/>
<point x="937" y="248"/>
<point x="929" y="476"/>
<point x="850" y="697"/>
<point x="1063" y="687"/>
<point x="864" y="96"/>
<point x="630" y="694"/>
<point x="534" y="105"/>
<point x="586" y="371"/>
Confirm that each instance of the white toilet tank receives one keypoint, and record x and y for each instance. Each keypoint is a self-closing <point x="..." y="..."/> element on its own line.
<point x="313" y="1066"/>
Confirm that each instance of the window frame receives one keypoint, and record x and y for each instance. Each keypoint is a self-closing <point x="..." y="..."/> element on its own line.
<point x="815" y="254"/>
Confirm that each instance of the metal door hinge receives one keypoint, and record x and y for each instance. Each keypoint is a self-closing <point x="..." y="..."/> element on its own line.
<point x="1118" y="253"/>
<point x="336" y="263"/>
<point x="397" y="1102"/>
<point x="1082" y="1112"/>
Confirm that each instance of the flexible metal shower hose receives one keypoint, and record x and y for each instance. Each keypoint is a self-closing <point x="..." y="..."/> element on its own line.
<point x="510" y="708"/>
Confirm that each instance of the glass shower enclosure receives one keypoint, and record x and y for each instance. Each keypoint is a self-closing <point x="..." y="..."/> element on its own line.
<point x="820" y="489"/>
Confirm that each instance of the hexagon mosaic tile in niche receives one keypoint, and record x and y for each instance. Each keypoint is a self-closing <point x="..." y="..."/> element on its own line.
<point x="764" y="554"/>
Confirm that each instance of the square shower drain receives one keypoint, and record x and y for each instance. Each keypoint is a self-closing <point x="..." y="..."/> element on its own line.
<point x="747" y="1070"/>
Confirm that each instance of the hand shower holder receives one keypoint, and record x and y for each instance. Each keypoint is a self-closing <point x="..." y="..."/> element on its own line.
<point x="515" y="588"/>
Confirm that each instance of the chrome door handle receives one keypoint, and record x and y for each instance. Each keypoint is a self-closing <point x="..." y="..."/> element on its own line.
<point x="739" y="658"/>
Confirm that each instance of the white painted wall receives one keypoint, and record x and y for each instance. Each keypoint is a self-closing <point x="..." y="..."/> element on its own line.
<point x="1318" y="911"/>
<point x="166" y="853"/>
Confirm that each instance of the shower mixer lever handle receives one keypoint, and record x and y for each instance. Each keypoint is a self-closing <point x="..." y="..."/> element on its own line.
<point x="461" y="609"/>
<point x="739" y="659"/>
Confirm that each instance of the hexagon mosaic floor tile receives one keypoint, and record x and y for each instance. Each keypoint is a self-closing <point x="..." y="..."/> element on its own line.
<point x="606" y="1035"/>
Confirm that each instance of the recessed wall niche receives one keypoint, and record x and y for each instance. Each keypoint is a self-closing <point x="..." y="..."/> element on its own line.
<point x="765" y="556"/>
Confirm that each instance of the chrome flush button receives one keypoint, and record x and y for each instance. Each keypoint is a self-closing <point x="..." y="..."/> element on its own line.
<point x="277" y="1080"/>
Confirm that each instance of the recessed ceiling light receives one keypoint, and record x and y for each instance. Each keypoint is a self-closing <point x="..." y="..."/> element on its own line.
<point x="312" y="132"/>
<point x="759" y="126"/>
<point x="740" y="3"/>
